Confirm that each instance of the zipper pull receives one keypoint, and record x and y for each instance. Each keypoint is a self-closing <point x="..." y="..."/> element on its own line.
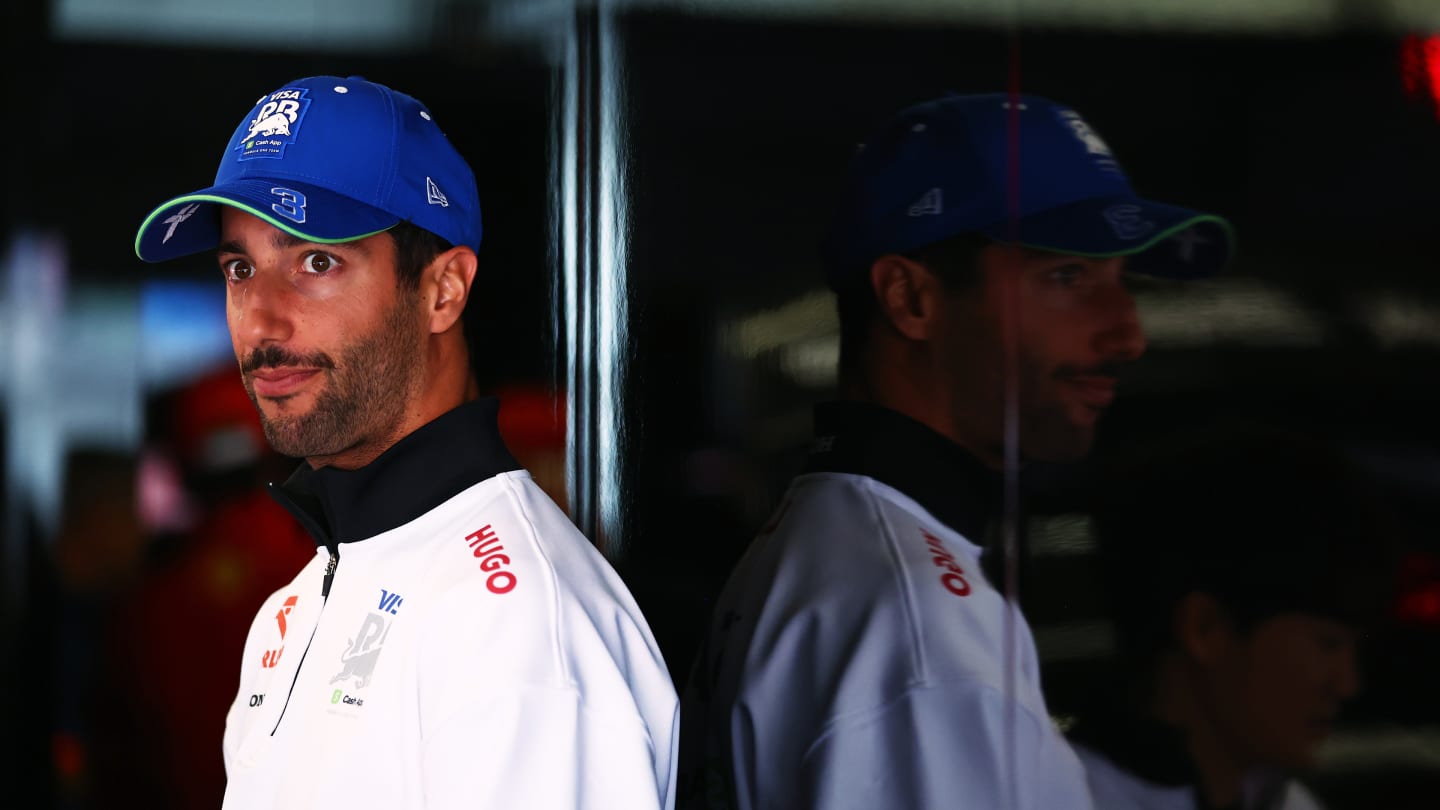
<point x="330" y="572"/>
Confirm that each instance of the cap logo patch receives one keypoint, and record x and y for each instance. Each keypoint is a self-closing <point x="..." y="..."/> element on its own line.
<point x="930" y="203"/>
<point x="1126" y="222"/>
<point x="1091" y="141"/>
<point x="275" y="124"/>
<point x="434" y="195"/>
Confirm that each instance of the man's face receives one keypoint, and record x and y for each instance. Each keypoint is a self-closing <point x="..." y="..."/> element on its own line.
<point x="1275" y="692"/>
<point x="330" y="349"/>
<point x="1057" y="327"/>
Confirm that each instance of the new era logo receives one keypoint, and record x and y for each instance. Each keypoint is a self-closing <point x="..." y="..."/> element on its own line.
<point x="929" y="204"/>
<point x="434" y="195"/>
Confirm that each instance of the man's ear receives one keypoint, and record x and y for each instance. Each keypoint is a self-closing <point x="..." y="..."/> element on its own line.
<point x="450" y="274"/>
<point x="905" y="294"/>
<point x="1203" y="627"/>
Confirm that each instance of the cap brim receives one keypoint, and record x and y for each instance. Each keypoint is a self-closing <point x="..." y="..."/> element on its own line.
<point x="191" y="223"/>
<point x="1163" y="240"/>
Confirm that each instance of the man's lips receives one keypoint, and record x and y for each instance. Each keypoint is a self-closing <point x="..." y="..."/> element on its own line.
<point x="279" y="382"/>
<point x="1094" y="391"/>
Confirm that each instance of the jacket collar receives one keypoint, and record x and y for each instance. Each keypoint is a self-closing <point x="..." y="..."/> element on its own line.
<point x="1143" y="746"/>
<point x="940" y="475"/>
<point x="418" y="473"/>
<point x="1159" y="753"/>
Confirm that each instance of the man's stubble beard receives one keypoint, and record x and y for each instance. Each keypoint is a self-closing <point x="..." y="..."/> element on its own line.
<point x="364" y="396"/>
<point x="1045" y="430"/>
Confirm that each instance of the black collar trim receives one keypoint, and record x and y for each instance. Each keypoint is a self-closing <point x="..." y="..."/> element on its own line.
<point x="1143" y="746"/>
<point x="1160" y="754"/>
<point x="940" y="475"/>
<point x="439" y="460"/>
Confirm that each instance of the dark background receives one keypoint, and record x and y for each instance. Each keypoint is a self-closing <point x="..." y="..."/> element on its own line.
<point x="735" y="133"/>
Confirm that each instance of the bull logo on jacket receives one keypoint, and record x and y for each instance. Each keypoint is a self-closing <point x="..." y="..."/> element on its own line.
<point x="358" y="658"/>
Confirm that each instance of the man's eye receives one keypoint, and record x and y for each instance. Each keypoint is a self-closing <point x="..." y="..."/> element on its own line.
<point x="1067" y="274"/>
<point x="237" y="269"/>
<point x="319" y="263"/>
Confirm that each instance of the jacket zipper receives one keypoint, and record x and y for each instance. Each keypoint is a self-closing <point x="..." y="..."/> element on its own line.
<point x="324" y="597"/>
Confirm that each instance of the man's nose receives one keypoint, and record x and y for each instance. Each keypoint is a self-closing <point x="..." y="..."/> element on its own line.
<point x="260" y="310"/>
<point x="1122" y="338"/>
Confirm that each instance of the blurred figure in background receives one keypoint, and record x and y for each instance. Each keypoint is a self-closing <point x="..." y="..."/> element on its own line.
<point x="858" y="656"/>
<point x="1240" y="570"/>
<point x="98" y="551"/>
<point x="222" y="546"/>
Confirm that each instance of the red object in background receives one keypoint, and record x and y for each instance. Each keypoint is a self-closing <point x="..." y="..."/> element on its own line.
<point x="531" y="417"/>
<point x="216" y="427"/>
<point x="172" y="659"/>
<point x="177" y="643"/>
<point x="1420" y="68"/>
<point x="68" y="754"/>
<point x="532" y="422"/>
<point x="1419" y="590"/>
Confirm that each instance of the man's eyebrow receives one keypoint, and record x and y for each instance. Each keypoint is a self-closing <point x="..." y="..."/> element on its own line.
<point x="280" y="240"/>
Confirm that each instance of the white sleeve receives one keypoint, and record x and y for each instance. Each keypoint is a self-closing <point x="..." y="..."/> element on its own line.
<point x="539" y="748"/>
<point x="1298" y="798"/>
<point x="944" y="747"/>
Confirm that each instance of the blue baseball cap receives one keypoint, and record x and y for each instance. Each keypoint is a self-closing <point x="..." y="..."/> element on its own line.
<point x="327" y="160"/>
<point x="944" y="168"/>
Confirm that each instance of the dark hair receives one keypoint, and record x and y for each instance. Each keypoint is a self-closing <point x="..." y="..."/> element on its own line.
<point x="415" y="248"/>
<point x="1263" y="521"/>
<point x="954" y="260"/>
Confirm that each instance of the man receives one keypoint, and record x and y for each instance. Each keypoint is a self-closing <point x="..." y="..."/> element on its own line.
<point x="455" y="642"/>
<point x="1240" y="568"/>
<point x="858" y="656"/>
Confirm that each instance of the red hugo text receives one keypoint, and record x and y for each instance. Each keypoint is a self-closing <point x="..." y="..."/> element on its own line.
<point x="488" y="548"/>
<point x="954" y="577"/>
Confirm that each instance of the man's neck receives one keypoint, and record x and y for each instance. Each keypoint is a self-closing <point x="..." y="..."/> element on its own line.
<point x="901" y="394"/>
<point x="1177" y="702"/>
<point x="436" y="398"/>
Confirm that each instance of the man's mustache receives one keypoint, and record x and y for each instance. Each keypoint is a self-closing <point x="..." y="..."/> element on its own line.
<point x="1098" y="370"/>
<point x="276" y="357"/>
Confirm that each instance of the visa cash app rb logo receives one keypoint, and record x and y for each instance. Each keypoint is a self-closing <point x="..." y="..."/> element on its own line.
<point x="274" y="124"/>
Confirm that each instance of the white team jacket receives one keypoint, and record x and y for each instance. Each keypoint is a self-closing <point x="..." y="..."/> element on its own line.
<point x="1115" y="788"/>
<point x="857" y="656"/>
<point x="479" y="655"/>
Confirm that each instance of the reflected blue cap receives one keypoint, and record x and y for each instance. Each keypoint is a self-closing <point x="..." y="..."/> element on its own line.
<point x="956" y="165"/>
<point x="327" y="160"/>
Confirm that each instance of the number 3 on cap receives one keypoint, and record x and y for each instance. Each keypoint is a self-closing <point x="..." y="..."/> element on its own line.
<point x="291" y="205"/>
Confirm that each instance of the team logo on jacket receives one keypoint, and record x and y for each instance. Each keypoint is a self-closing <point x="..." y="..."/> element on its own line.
<point x="357" y="660"/>
<point x="274" y="124"/>
<point x="272" y="657"/>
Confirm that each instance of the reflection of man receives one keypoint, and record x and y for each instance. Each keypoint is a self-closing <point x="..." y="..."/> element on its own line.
<point x="508" y="665"/>
<point x="859" y="656"/>
<point x="1239" y="569"/>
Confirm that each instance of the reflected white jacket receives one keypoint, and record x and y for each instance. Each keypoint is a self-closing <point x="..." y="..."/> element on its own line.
<point x="1115" y="788"/>
<point x="477" y="653"/>
<point x="857" y="656"/>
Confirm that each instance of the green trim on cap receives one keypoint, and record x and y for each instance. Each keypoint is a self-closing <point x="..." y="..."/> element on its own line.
<point x="1155" y="240"/>
<point x="211" y="198"/>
